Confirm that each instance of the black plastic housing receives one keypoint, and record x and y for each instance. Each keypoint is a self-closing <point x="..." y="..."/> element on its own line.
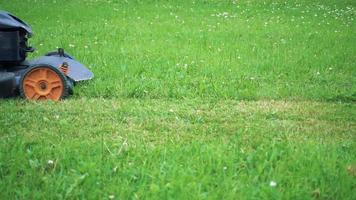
<point x="7" y="84"/>
<point x="14" y="34"/>
<point x="13" y="46"/>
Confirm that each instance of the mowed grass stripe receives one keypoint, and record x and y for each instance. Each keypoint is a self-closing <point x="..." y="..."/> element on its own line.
<point x="128" y="113"/>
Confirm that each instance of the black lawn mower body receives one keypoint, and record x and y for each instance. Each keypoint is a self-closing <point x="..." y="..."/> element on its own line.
<point x="53" y="74"/>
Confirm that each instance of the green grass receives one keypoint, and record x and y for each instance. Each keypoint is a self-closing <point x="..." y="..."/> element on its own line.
<point x="191" y="100"/>
<point x="174" y="49"/>
<point x="190" y="149"/>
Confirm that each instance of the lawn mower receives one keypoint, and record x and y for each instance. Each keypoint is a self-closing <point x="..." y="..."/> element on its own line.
<point x="51" y="76"/>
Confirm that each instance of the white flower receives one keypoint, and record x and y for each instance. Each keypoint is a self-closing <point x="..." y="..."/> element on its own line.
<point x="50" y="162"/>
<point x="111" y="196"/>
<point x="115" y="169"/>
<point x="273" y="183"/>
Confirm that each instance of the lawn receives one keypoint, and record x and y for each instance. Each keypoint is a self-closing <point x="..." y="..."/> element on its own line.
<point x="191" y="100"/>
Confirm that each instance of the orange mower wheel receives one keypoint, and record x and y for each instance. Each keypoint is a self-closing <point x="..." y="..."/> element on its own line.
<point x="43" y="82"/>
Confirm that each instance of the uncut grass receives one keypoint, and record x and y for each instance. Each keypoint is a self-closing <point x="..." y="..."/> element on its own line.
<point x="177" y="149"/>
<point x="163" y="49"/>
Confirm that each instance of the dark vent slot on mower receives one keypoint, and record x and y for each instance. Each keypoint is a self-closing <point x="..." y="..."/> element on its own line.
<point x="13" y="46"/>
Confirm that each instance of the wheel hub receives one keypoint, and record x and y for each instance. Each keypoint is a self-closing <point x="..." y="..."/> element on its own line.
<point x="43" y="85"/>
